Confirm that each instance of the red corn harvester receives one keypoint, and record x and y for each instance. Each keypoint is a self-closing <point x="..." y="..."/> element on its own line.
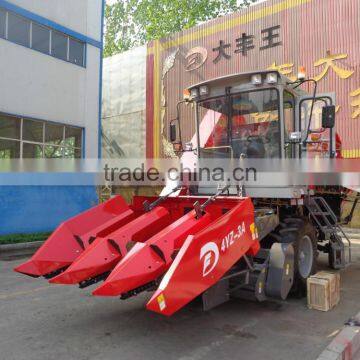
<point x="211" y="240"/>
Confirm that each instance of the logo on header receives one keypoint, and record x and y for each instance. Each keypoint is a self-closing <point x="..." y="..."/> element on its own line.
<point x="210" y="253"/>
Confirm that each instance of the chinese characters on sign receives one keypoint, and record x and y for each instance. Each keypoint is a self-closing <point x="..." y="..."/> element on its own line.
<point x="329" y="62"/>
<point x="270" y="37"/>
<point x="221" y="49"/>
<point x="245" y="43"/>
<point x="355" y="103"/>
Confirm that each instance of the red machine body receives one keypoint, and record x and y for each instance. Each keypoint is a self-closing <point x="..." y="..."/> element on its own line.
<point x="172" y="247"/>
<point x="105" y="252"/>
<point x="73" y="236"/>
<point x="205" y="257"/>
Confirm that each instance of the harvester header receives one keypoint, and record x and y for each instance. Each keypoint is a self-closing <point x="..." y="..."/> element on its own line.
<point x="170" y="248"/>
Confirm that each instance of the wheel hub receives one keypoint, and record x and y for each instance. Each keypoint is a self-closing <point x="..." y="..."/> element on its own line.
<point x="305" y="257"/>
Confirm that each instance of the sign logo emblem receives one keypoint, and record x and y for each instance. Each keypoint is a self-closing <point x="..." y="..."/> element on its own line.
<point x="195" y="58"/>
<point x="210" y="253"/>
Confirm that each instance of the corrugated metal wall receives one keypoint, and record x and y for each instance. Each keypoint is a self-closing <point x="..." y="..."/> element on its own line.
<point x="322" y="35"/>
<point x="124" y="104"/>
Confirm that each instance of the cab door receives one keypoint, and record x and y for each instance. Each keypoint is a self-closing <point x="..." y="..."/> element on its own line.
<point x="317" y="142"/>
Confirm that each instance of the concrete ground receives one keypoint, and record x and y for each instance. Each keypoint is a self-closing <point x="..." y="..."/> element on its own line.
<point x="41" y="321"/>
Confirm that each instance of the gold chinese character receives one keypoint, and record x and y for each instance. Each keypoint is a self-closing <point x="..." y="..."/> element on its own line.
<point x="355" y="103"/>
<point x="284" y="69"/>
<point x="260" y="117"/>
<point x="264" y="117"/>
<point x="329" y="62"/>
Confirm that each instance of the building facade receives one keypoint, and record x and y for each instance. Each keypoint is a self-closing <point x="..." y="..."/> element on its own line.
<point x="321" y="35"/>
<point x="50" y="101"/>
<point x="50" y="90"/>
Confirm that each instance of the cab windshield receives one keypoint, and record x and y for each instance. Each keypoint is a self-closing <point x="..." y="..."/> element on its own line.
<point x="241" y="125"/>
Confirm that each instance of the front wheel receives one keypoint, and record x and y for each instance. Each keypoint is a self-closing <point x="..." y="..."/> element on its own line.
<point x="302" y="235"/>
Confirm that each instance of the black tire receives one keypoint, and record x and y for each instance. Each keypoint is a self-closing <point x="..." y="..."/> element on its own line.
<point x="301" y="233"/>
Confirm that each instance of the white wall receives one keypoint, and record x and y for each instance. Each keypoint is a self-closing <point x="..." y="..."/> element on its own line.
<point x="46" y="88"/>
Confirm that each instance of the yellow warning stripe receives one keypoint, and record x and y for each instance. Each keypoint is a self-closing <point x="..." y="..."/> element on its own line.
<point x="157" y="99"/>
<point x="228" y="24"/>
<point x="350" y="154"/>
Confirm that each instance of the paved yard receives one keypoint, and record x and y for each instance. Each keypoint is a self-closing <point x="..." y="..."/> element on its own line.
<point x="41" y="321"/>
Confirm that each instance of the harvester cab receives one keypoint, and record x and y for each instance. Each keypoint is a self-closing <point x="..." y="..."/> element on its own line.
<point x="259" y="115"/>
<point x="188" y="244"/>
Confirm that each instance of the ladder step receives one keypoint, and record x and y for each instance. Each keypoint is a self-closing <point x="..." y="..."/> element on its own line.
<point x="320" y="213"/>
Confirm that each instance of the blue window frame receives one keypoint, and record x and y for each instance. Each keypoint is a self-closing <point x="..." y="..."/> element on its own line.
<point x="21" y="137"/>
<point x="2" y="23"/>
<point x="76" y="52"/>
<point x="40" y="39"/>
<point x="31" y="34"/>
<point x="18" y="30"/>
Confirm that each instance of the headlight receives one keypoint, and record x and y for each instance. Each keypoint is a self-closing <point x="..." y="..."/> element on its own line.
<point x="194" y="93"/>
<point x="256" y="79"/>
<point x="271" y="78"/>
<point x="204" y="90"/>
<point x="295" y="136"/>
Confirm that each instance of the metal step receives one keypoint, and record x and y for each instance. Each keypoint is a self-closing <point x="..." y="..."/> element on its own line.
<point x="321" y="213"/>
<point x="326" y="221"/>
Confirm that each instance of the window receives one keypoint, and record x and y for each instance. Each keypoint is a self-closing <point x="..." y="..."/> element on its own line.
<point x="18" y="29"/>
<point x="316" y="118"/>
<point x="54" y="152"/>
<point x="32" y="151"/>
<point x="9" y="149"/>
<point x="54" y="134"/>
<point x="2" y="23"/>
<point x="247" y="123"/>
<point x="33" y="131"/>
<point x="40" y="38"/>
<point x="73" y="137"/>
<point x="10" y="127"/>
<point x="289" y="114"/>
<point x="27" y="138"/>
<point x="289" y="122"/>
<point x="76" y="52"/>
<point x="72" y="153"/>
<point x="59" y="45"/>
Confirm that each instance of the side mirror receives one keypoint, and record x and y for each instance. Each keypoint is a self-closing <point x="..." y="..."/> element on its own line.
<point x="172" y="133"/>
<point x="328" y="117"/>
